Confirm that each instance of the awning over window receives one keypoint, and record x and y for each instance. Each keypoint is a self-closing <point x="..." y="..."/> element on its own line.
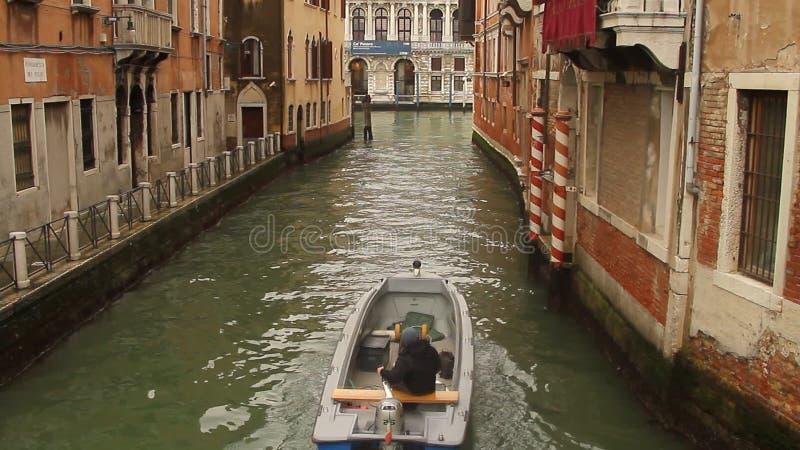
<point x="569" y="24"/>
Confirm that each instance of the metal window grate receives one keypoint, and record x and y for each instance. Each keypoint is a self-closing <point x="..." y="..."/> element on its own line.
<point x="23" y="147"/>
<point x="766" y="125"/>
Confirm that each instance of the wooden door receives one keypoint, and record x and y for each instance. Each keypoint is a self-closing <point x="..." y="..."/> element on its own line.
<point x="252" y="123"/>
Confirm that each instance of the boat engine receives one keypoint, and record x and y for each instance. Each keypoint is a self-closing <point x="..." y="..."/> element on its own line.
<point x="390" y="416"/>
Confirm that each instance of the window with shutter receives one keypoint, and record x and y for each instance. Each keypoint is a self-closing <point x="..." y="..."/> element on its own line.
<point x="436" y="64"/>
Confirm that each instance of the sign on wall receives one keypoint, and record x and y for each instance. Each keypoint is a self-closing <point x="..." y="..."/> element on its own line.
<point x="380" y="48"/>
<point x="35" y="70"/>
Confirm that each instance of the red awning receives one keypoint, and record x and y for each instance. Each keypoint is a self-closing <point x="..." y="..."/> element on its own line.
<point x="569" y="24"/>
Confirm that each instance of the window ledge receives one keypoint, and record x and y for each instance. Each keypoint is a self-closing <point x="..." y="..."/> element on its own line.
<point x="27" y="191"/>
<point x="175" y="146"/>
<point x="31" y="2"/>
<point x="90" y="172"/>
<point x="749" y="289"/>
<point x="195" y="34"/>
<point x="252" y="77"/>
<point x="201" y="139"/>
<point x="84" y="9"/>
<point x="176" y="28"/>
<point x="123" y="166"/>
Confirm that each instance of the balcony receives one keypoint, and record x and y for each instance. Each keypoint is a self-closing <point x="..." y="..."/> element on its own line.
<point x="657" y="25"/>
<point x="454" y="47"/>
<point x="152" y="30"/>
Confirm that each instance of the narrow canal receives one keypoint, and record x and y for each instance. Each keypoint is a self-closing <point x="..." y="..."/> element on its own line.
<point x="226" y="346"/>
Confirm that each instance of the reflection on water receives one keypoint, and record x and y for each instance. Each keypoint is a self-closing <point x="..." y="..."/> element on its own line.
<point x="227" y="345"/>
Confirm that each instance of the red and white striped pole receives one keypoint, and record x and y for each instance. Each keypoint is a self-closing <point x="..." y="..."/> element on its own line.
<point x="536" y="166"/>
<point x="561" y="170"/>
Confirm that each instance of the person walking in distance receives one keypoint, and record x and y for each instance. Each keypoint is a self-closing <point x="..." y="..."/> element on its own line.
<point x="366" y="104"/>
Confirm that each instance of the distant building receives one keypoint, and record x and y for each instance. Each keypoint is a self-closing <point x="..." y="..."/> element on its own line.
<point x="405" y="52"/>
<point x="287" y="71"/>
<point x="98" y="97"/>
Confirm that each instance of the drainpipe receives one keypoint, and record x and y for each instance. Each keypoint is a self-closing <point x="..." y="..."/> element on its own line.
<point x="694" y="100"/>
<point x="205" y="76"/>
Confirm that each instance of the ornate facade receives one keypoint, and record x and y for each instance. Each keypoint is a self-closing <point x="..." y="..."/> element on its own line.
<point x="409" y="53"/>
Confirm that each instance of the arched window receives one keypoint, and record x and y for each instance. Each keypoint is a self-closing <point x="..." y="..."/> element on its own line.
<point x="314" y="114"/>
<point x="290" y="124"/>
<point x="404" y="25"/>
<point x="381" y="24"/>
<point x="314" y="59"/>
<point x="308" y="115"/>
<point x="358" y="76"/>
<point x="289" y="59"/>
<point x="359" y="24"/>
<point x="308" y="62"/>
<point x="456" y="35"/>
<point x="436" y="25"/>
<point x="251" y="57"/>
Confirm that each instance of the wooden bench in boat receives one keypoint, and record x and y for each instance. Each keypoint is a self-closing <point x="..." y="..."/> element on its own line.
<point x="374" y="395"/>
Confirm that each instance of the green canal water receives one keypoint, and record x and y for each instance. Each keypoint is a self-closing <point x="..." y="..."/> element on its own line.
<point x="227" y="344"/>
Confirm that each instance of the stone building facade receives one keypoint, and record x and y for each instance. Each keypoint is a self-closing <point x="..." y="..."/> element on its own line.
<point x="408" y="53"/>
<point x="287" y="71"/>
<point x="668" y="178"/>
<point x="101" y="96"/>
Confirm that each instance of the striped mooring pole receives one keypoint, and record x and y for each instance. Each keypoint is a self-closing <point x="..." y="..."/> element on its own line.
<point x="559" y="210"/>
<point x="536" y="165"/>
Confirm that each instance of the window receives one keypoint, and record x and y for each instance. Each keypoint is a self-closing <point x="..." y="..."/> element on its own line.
<point x="456" y="35"/>
<point x="761" y="190"/>
<point x="359" y="24"/>
<point x="187" y="119"/>
<point x="404" y="25"/>
<point x="458" y="83"/>
<point x="314" y="59"/>
<point x="173" y="102"/>
<point x="459" y="64"/>
<point x="199" y="113"/>
<point x="436" y="25"/>
<point x="290" y="124"/>
<point x="322" y="113"/>
<point x="436" y="64"/>
<point x="289" y="51"/>
<point x="308" y="60"/>
<point x="314" y="114"/>
<point x="251" y="58"/>
<point x="23" y="145"/>
<point x="381" y="24"/>
<point x="208" y="73"/>
<point x="436" y="83"/>
<point x="173" y="10"/>
<point x="330" y="118"/>
<point x="87" y="134"/>
<point x="308" y="115"/>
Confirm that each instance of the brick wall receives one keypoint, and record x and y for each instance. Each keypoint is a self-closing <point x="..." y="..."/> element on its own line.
<point x="626" y="113"/>
<point x="791" y="289"/>
<point x="711" y="166"/>
<point x="637" y="271"/>
<point x="769" y="380"/>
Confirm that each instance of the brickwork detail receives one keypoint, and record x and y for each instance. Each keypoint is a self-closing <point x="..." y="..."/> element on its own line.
<point x="637" y="271"/>
<point x="711" y="165"/>
<point x="770" y="379"/>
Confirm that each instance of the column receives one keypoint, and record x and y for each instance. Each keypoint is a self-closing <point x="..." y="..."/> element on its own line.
<point x="147" y="198"/>
<point x="392" y="22"/>
<point x="20" y="259"/>
<point x="448" y="24"/>
<point x="426" y="36"/>
<point x="212" y="170"/>
<point x="172" y="189"/>
<point x="560" y="173"/>
<point x="348" y="33"/>
<point x="113" y="215"/>
<point x="193" y="178"/>
<point x="73" y="238"/>
<point x="369" y="32"/>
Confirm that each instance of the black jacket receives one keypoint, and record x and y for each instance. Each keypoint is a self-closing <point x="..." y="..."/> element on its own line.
<point x="416" y="367"/>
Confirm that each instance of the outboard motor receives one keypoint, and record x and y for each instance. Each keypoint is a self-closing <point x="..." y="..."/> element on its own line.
<point x="390" y="417"/>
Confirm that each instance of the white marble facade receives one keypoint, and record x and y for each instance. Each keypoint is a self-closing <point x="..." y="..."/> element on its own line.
<point x="431" y="44"/>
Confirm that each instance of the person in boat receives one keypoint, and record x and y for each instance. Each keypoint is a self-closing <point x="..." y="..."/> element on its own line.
<point x="416" y="366"/>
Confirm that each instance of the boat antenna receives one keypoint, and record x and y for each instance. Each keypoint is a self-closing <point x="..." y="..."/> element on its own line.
<point x="417" y="265"/>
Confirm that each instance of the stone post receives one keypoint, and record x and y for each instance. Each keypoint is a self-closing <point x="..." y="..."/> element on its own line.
<point x="172" y="189"/>
<point x="277" y="142"/>
<point x="227" y="161"/>
<point x="212" y="170"/>
<point x="240" y="157"/>
<point x="261" y="149"/>
<point x="271" y="145"/>
<point x="73" y="238"/>
<point x="251" y="152"/>
<point x="193" y="178"/>
<point x="147" y="201"/>
<point x="20" y="259"/>
<point x="113" y="215"/>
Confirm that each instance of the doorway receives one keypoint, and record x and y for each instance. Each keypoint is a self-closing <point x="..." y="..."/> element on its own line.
<point x="137" y="132"/>
<point x="252" y="123"/>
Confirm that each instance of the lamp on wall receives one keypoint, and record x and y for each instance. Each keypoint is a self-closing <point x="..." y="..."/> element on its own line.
<point x="109" y="20"/>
